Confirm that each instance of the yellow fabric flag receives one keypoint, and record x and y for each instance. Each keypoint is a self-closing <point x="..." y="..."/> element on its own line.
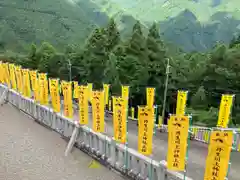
<point x="33" y="78"/>
<point x="225" y="110"/>
<point x="160" y="121"/>
<point x="150" y="93"/>
<point x="145" y="129"/>
<point x="83" y="104"/>
<point x="106" y="93"/>
<point x="54" y="92"/>
<point x="219" y="151"/>
<point x="13" y="76"/>
<point x="75" y="90"/>
<point x="19" y="79"/>
<point x="90" y="87"/>
<point x="125" y="94"/>
<point x="67" y="98"/>
<point x="98" y="111"/>
<point x="6" y="74"/>
<point x="132" y="112"/>
<point x="1" y="72"/>
<point x="43" y="88"/>
<point x="181" y="102"/>
<point x="34" y="84"/>
<point x="177" y="142"/>
<point x="26" y="83"/>
<point x="119" y="120"/>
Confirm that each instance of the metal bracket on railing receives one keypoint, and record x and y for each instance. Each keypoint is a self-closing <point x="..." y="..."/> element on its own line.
<point x="3" y="98"/>
<point x="72" y="139"/>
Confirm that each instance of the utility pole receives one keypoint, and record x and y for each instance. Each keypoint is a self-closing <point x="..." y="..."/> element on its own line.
<point x="165" y="90"/>
<point x="70" y="70"/>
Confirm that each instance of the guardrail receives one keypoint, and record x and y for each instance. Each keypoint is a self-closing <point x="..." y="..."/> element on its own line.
<point x="202" y="134"/>
<point x="198" y="133"/>
<point x="98" y="145"/>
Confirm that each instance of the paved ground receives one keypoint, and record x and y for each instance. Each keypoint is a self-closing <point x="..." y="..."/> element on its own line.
<point x="29" y="151"/>
<point x="197" y="151"/>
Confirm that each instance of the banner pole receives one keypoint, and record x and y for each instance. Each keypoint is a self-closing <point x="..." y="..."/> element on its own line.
<point x="151" y="156"/>
<point x="126" y="144"/>
<point x="188" y="142"/>
<point x="155" y="119"/>
<point x="233" y="147"/>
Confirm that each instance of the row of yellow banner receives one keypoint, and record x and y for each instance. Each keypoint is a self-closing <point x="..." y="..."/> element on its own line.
<point x="220" y="144"/>
<point x="219" y="149"/>
<point x="224" y="110"/>
<point x="39" y="85"/>
<point x="178" y="125"/>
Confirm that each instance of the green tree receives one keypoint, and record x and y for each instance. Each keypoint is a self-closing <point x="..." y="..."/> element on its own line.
<point x="198" y="100"/>
<point x="32" y="56"/>
<point x="112" y="35"/>
<point x="44" y="54"/>
<point x="156" y="61"/>
<point x="95" y="57"/>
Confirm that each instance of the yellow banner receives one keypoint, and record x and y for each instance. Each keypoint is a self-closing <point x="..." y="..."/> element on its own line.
<point x="34" y="84"/>
<point x="106" y="93"/>
<point x="26" y="83"/>
<point x="225" y="110"/>
<point x="75" y="90"/>
<point x="13" y="76"/>
<point x="33" y="78"/>
<point x="19" y="79"/>
<point x="67" y="98"/>
<point x="181" y="102"/>
<point x="83" y="104"/>
<point x="6" y="74"/>
<point x="119" y="120"/>
<point x="145" y="129"/>
<point x="125" y="94"/>
<point x="177" y="142"/>
<point x="43" y="88"/>
<point x="98" y="111"/>
<point x="90" y="87"/>
<point x="1" y="73"/>
<point x="218" y="157"/>
<point x="54" y="92"/>
<point x="150" y="94"/>
<point x="132" y="112"/>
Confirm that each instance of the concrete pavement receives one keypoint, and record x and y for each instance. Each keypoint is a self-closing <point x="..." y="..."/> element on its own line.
<point x="29" y="151"/>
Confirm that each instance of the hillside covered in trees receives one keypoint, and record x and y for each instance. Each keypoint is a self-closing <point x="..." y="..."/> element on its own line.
<point x="192" y="25"/>
<point x="131" y="54"/>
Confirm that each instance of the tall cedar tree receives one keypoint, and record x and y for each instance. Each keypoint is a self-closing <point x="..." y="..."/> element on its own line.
<point x="95" y="57"/>
<point x="157" y="60"/>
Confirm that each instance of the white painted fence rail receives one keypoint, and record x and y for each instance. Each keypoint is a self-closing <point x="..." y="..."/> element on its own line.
<point x="97" y="145"/>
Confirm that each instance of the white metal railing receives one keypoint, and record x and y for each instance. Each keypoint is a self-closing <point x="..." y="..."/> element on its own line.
<point x="126" y="160"/>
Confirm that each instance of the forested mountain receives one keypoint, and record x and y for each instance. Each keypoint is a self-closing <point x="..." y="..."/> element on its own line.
<point x="58" y="35"/>
<point x="195" y="25"/>
<point x="57" y="21"/>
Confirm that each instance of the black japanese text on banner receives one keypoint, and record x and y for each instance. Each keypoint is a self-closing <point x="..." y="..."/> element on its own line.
<point x="150" y="93"/>
<point x="218" y="157"/>
<point x="177" y="142"/>
<point x="98" y="110"/>
<point x="225" y="110"/>
<point x="83" y="104"/>
<point x="181" y="102"/>
<point x="119" y="120"/>
<point x="145" y="129"/>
